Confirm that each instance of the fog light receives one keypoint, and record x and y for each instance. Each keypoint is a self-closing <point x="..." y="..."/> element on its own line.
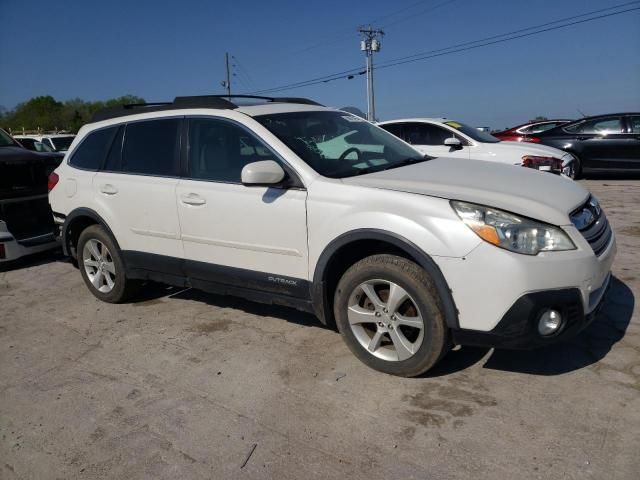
<point x="550" y="322"/>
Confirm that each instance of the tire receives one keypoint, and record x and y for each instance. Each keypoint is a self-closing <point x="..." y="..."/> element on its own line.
<point x="576" y="170"/>
<point x="101" y="266"/>
<point x="379" y="303"/>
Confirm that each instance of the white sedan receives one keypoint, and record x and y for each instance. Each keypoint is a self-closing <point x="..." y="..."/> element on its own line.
<point x="440" y="137"/>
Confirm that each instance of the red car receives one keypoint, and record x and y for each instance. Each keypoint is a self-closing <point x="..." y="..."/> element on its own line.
<point x="522" y="133"/>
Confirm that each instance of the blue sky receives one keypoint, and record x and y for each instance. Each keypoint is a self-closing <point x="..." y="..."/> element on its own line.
<point x="159" y="49"/>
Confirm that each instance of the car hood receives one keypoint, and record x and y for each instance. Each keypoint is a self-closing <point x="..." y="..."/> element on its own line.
<point x="538" y="195"/>
<point x="527" y="148"/>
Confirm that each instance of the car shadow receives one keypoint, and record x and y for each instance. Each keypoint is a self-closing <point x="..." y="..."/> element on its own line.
<point x="612" y="176"/>
<point x="587" y="348"/>
<point x="34" y="260"/>
<point x="261" y="309"/>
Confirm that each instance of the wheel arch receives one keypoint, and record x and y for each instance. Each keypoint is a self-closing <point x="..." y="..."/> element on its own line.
<point x="75" y="223"/>
<point x="351" y="247"/>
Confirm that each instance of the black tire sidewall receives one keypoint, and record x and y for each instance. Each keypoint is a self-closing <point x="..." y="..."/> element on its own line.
<point x="402" y="272"/>
<point x="119" y="291"/>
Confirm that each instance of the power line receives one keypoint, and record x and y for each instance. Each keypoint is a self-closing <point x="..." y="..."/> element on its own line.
<point x="343" y="37"/>
<point x="347" y="74"/>
<point x="426" y="55"/>
<point x="244" y="71"/>
<point x="573" y="17"/>
<point x="417" y="14"/>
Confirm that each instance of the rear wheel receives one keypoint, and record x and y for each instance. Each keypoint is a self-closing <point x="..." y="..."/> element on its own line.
<point x="101" y="266"/>
<point x="389" y="313"/>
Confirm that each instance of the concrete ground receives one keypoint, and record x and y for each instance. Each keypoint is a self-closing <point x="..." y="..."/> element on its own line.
<point x="188" y="385"/>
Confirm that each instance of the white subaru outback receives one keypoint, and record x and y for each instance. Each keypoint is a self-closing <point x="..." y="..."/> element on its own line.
<point x="285" y="201"/>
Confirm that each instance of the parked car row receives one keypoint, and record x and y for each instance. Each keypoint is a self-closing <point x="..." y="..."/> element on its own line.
<point x="52" y="142"/>
<point x="603" y="143"/>
<point x="440" y="137"/>
<point x="26" y="222"/>
<point x="286" y="201"/>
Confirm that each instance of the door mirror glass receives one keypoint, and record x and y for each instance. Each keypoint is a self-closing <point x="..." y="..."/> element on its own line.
<point x="453" y="142"/>
<point x="265" y="172"/>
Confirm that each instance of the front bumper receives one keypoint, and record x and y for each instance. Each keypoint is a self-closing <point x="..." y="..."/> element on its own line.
<point x="518" y="328"/>
<point x="488" y="281"/>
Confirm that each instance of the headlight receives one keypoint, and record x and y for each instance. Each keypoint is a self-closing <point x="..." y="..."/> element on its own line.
<point x="512" y="232"/>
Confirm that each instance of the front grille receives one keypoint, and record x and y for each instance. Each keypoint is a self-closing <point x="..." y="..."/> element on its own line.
<point x="592" y="223"/>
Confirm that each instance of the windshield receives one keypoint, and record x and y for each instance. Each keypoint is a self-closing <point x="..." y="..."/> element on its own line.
<point x="338" y="144"/>
<point x="62" y="144"/>
<point x="474" y="133"/>
<point x="5" y="139"/>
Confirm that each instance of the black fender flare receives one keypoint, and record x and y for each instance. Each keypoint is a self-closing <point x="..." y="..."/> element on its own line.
<point x="82" y="212"/>
<point x="319" y="294"/>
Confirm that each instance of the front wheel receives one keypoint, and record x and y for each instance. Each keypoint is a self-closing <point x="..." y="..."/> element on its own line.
<point x="390" y="315"/>
<point x="101" y="266"/>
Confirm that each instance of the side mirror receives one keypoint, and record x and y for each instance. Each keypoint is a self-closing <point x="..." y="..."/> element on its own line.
<point x="266" y="172"/>
<point x="453" y="142"/>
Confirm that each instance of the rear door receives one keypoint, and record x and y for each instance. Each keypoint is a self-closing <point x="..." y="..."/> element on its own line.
<point x="248" y="236"/>
<point x="603" y="143"/>
<point x="135" y="193"/>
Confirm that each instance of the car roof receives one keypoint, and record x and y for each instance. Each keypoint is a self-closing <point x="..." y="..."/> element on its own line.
<point x="209" y="102"/>
<point x="272" y="108"/>
<point x="619" y="114"/>
<point x="421" y="119"/>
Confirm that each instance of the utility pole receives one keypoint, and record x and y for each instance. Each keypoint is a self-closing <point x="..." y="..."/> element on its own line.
<point x="369" y="44"/>
<point x="227" y="83"/>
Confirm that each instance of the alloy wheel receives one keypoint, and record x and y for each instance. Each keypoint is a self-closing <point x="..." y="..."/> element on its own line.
<point x="99" y="266"/>
<point x="385" y="320"/>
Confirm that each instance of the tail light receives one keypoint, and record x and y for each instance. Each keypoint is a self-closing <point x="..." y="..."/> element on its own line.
<point x="531" y="139"/>
<point x="542" y="163"/>
<point x="53" y="180"/>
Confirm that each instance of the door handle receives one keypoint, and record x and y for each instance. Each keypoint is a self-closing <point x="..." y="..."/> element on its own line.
<point x="108" y="189"/>
<point x="192" y="199"/>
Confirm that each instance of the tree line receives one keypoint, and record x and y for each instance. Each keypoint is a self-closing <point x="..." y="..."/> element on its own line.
<point x="45" y="113"/>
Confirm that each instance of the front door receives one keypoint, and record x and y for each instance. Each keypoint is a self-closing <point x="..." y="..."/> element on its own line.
<point x="248" y="236"/>
<point x="429" y="139"/>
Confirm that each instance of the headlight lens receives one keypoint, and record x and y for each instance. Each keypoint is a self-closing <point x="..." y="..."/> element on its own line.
<point x="512" y="232"/>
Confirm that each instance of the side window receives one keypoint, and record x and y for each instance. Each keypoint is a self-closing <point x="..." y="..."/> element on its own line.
<point x="151" y="147"/>
<point x="394" y="129"/>
<point x="219" y="150"/>
<point x="425" y="134"/>
<point x="543" y="127"/>
<point x="47" y="141"/>
<point x="94" y="148"/>
<point x="113" y="162"/>
<point x="634" y="124"/>
<point x="600" y="126"/>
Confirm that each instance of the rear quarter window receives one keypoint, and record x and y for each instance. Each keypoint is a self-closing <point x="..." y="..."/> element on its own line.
<point x="92" y="151"/>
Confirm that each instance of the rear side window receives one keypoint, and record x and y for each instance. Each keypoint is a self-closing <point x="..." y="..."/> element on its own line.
<point x="93" y="149"/>
<point x="151" y="148"/>
<point x="634" y="124"/>
<point x="601" y="126"/>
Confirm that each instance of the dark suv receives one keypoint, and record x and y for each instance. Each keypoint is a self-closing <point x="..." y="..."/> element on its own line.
<point x="604" y="143"/>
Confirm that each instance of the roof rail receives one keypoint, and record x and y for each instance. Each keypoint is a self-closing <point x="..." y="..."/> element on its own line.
<point x="199" y="101"/>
